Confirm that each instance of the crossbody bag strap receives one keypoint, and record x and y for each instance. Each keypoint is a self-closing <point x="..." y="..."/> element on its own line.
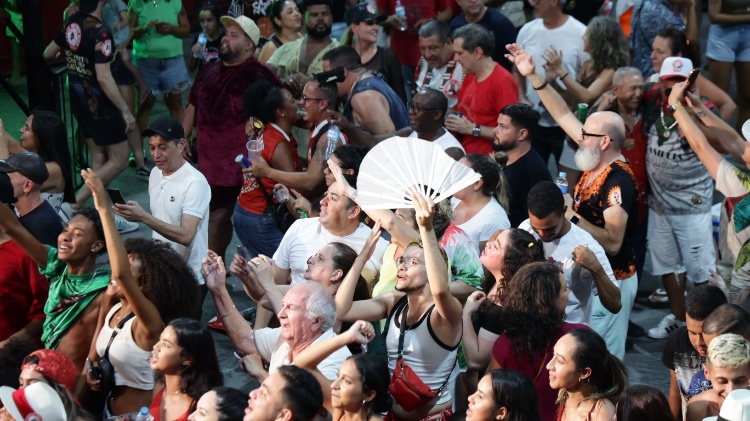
<point x="117" y="330"/>
<point x="265" y="193"/>
<point x="403" y="331"/>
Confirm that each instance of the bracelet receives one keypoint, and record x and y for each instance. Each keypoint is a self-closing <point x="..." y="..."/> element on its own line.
<point x="565" y="75"/>
<point x="544" y="85"/>
<point x="221" y="316"/>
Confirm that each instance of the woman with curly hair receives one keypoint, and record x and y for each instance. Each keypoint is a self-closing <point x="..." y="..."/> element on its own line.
<point x="153" y="284"/>
<point x="483" y="321"/>
<point x="609" y="50"/>
<point x="533" y="312"/>
<point x="589" y="378"/>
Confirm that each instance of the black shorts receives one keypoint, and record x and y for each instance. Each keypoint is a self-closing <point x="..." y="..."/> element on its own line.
<point x="106" y="132"/>
<point x="223" y="196"/>
<point x="120" y="73"/>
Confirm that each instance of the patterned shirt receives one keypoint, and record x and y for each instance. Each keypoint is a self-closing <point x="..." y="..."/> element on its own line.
<point x="649" y="18"/>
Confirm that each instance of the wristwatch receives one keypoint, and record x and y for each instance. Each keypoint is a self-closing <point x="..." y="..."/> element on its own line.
<point x="673" y="107"/>
<point x="575" y="220"/>
<point x="477" y="131"/>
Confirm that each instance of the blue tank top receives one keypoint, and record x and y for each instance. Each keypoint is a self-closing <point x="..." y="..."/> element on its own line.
<point x="398" y="113"/>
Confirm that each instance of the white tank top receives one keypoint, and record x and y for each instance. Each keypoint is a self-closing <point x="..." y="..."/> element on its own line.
<point x="130" y="361"/>
<point x="431" y="359"/>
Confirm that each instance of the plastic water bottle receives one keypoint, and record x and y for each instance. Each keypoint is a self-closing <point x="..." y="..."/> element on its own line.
<point x="562" y="182"/>
<point x="401" y="15"/>
<point x="144" y="415"/>
<point x="202" y="41"/>
<point x="332" y="139"/>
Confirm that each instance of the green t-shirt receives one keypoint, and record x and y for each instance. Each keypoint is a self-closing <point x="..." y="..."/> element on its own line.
<point x="152" y="44"/>
<point x="69" y="295"/>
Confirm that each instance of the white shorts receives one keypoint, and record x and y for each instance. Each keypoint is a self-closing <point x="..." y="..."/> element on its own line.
<point x="681" y="243"/>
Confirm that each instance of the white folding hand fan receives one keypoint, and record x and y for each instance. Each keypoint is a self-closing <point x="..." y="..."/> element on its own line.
<point x="397" y="167"/>
<point x="746" y="130"/>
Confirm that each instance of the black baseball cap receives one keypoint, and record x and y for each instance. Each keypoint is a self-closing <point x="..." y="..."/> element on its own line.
<point x="361" y="13"/>
<point x="166" y="127"/>
<point x="28" y="164"/>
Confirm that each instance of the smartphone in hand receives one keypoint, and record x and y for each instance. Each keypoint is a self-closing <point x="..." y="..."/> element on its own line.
<point x="115" y="196"/>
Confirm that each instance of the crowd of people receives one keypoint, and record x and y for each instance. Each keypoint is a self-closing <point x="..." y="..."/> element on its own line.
<point x="511" y="300"/>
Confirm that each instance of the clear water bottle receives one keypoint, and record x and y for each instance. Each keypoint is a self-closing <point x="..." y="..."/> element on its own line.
<point x="202" y="41"/>
<point x="144" y="415"/>
<point x="401" y="15"/>
<point x="562" y="182"/>
<point x="332" y="139"/>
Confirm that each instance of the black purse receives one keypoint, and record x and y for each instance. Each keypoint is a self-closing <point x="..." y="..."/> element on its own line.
<point x="284" y="219"/>
<point x="105" y="366"/>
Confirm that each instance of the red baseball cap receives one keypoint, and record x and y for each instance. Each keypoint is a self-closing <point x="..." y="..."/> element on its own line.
<point x="52" y="364"/>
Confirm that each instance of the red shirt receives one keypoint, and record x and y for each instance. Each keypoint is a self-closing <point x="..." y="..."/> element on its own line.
<point x="406" y="43"/>
<point x="23" y="290"/>
<point x="634" y="150"/>
<point x="481" y="103"/>
<point x="219" y="121"/>
<point x="251" y="197"/>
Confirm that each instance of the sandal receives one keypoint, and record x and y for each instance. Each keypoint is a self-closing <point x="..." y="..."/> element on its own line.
<point x="659" y="296"/>
<point x="145" y="94"/>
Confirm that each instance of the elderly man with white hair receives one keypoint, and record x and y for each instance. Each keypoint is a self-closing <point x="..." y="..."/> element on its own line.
<point x="306" y="316"/>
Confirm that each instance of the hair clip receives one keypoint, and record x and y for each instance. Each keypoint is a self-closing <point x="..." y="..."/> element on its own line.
<point x="416" y="241"/>
<point x="531" y="244"/>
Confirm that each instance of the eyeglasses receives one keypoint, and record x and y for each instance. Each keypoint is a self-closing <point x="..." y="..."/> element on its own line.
<point x="408" y="262"/>
<point x="417" y="109"/>
<point x="584" y="134"/>
<point x="306" y="98"/>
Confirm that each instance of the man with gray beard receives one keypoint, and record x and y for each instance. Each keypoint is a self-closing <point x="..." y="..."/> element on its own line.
<point x="604" y="202"/>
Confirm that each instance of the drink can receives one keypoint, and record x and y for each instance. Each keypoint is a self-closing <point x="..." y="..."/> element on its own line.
<point x="583" y="112"/>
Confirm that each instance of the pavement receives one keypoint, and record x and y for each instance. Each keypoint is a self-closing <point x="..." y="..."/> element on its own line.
<point x="643" y="360"/>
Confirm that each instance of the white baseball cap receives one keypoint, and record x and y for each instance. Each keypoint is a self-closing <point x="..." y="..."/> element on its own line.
<point x="246" y="24"/>
<point x="38" y="401"/>
<point x="736" y="407"/>
<point x="675" y="67"/>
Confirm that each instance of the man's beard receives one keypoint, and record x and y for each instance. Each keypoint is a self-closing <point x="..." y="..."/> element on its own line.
<point x="588" y="158"/>
<point x="314" y="33"/>
<point x="497" y="147"/>
<point x="228" y="55"/>
<point x="410" y="288"/>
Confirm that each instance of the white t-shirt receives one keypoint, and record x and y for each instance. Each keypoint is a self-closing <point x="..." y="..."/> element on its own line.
<point x="186" y="192"/>
<point x="481" y="226"/>
<point x="535" y="38"/>
<point x="445" y="141"/>
<point x="274" y="349"/>
<point x="306" y="236"/>
<point x="580" y="281"/>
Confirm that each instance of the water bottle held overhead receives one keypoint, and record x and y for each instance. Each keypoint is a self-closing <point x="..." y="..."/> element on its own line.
<point x="401" y="15"/>
<point x="202" y="41"/>
<point x="332" y="139"/>
<point x="562" y="182"/>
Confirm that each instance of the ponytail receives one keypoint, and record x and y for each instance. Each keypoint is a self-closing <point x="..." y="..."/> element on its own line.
<point x="608" y="374"/>
<point x="494" y="183"/>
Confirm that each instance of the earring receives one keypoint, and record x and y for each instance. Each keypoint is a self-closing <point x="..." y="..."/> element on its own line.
<point x="364" y="401"/>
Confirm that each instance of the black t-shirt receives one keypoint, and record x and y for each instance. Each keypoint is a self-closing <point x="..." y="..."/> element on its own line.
<point x="614" y="186"/>
<point x="86" y="43"/>
<point x="43" y="223"/>
<point x="490" y="320"/>
<point x="680" y="355"/>
<point x="211" y="51"/>
<point x="500" y="26"/>
<point x="582" y="10"/>
<point x="522" y="175"/>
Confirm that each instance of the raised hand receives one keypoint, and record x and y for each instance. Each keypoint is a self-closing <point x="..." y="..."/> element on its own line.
<point x="361" y="332"/>
<point x="213" y="271"/>
<point x="262" y="268"/>
<point x="424" y="208"/>
<point x="371" y="243"/>
<point x="474" y="301"/>
<point x="94" y="183"/>
<point x="523" y="61"/>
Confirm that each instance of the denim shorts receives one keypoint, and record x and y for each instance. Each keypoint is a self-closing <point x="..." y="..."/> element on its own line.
<point x="164" y="75"/>
<point x="729" y="43"/>
<point x="258" y="233"/>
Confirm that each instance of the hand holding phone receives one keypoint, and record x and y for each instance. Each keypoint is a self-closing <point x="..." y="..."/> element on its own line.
<point x="692" y="77"/>
<point x="94" y="372"/>
<point x="116" y="197"/>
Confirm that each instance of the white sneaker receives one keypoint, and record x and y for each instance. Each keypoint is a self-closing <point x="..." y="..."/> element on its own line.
<point x="667" y="325"/>
<point x="124" y="226"/>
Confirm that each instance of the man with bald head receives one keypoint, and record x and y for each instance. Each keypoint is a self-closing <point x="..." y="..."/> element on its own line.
<point x="605" y="202"/>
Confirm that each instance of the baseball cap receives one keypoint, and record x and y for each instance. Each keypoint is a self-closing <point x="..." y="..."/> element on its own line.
<point x="166" y="127"/>
<point x="245" y="23"/>
<point x="736" y="406"/>
<point x="361" y="13"/>
<point x="38" y="401"/>
<point x="675" y="67"/>
<point x="52" y="364"/>
<point x="28" y="164"/>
